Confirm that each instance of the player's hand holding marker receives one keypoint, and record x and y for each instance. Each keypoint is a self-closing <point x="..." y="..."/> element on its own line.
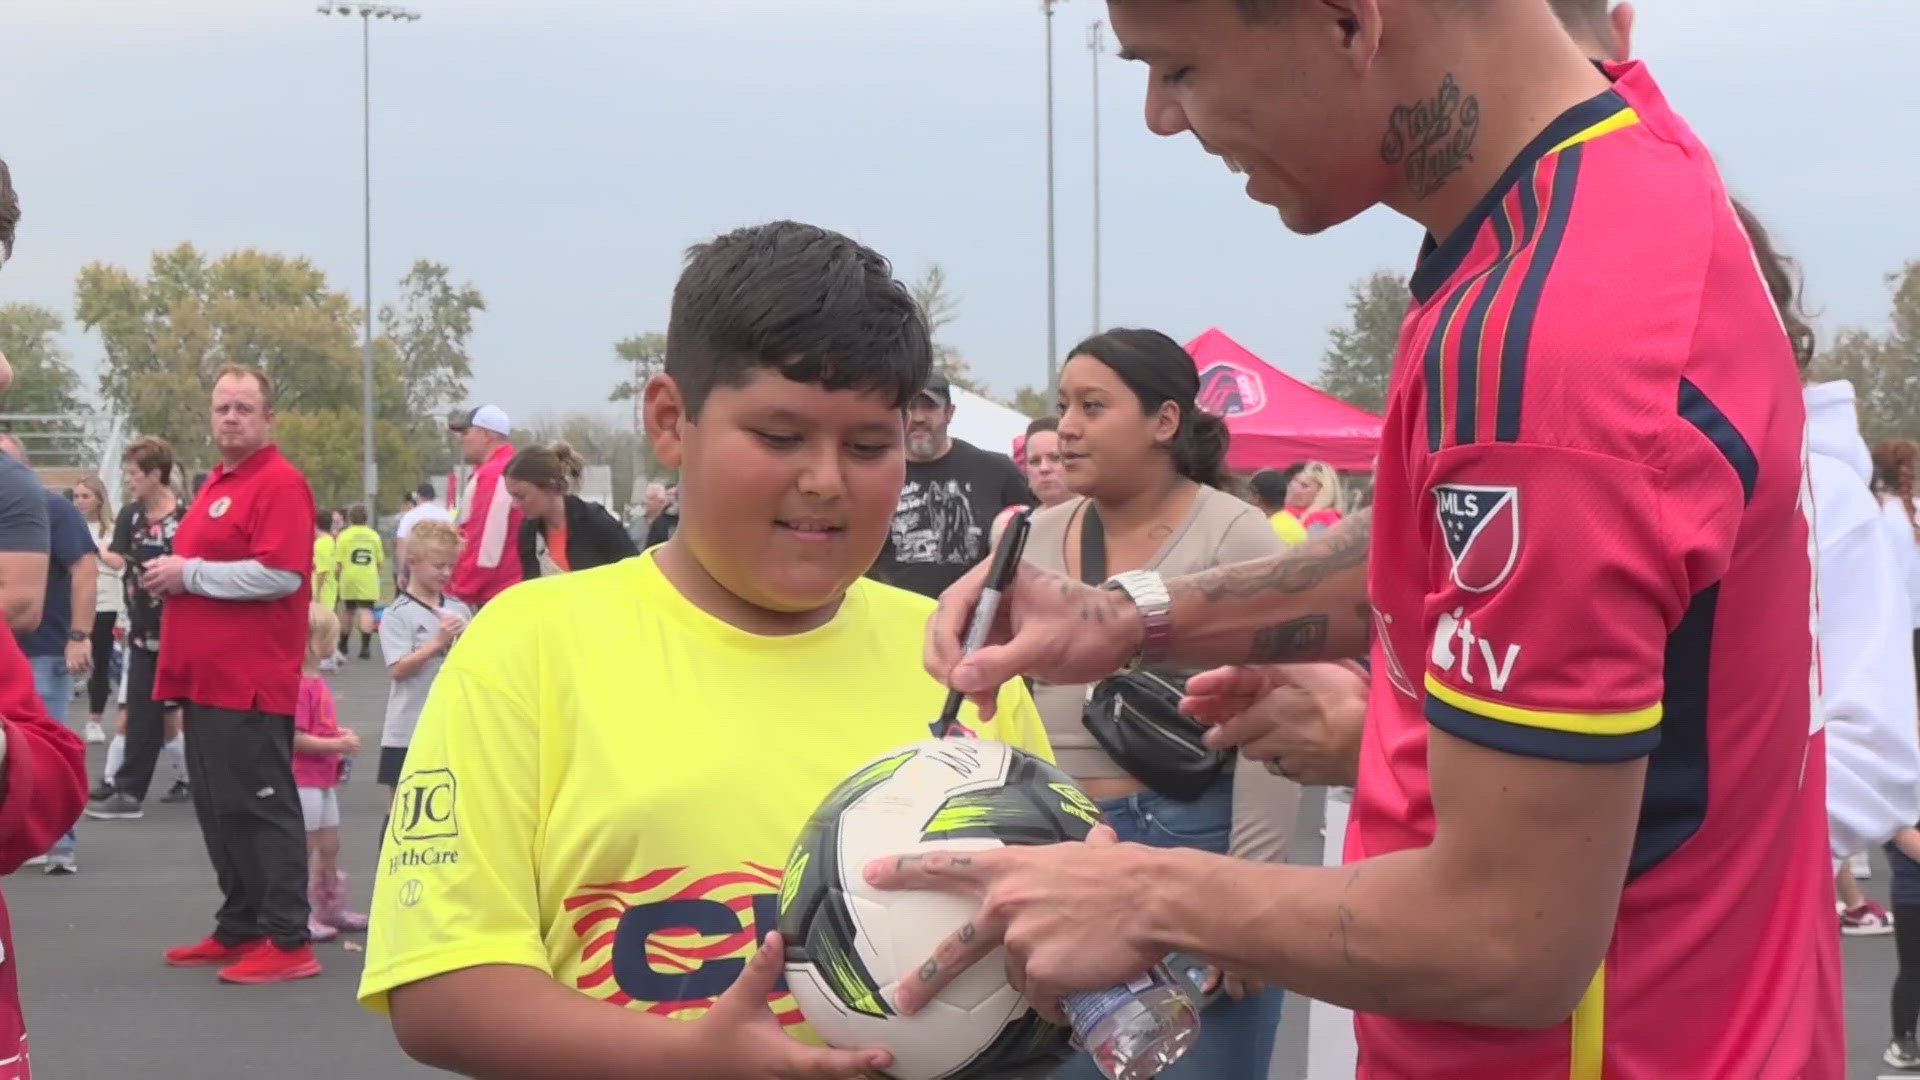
<point x="744" y="1033"/>
<point x="1047" y="625"/>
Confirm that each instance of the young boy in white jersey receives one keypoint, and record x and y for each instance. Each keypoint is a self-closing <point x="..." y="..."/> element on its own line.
<point x="605" y="783"/>
<point x="416" y="632"/>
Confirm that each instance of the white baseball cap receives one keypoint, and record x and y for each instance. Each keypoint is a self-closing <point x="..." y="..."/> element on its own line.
<point x="486" y="417"/>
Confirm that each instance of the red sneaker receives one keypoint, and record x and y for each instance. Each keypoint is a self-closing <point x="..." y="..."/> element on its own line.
<point x="207" y="951"/>
<point x="270" y="963"/>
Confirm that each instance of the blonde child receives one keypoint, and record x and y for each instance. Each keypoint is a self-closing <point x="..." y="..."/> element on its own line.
<point x="320" y="749"/>
<point x="415" y="633"/>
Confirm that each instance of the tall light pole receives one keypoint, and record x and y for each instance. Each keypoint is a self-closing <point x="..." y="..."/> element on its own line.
<point x="1096" y="44"/>
<point x="369" y="470"/>
<point x="1053" y="349"/>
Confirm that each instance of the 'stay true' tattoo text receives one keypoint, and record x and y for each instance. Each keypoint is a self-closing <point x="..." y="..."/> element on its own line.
<point x="1432" y="139"/>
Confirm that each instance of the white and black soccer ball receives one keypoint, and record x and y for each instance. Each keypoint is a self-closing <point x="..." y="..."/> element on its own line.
<point x="847" y="943"/>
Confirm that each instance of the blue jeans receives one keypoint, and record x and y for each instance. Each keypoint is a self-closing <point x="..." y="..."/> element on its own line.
<point x="54" y="683"/>
<point x="1236" y="1037"/>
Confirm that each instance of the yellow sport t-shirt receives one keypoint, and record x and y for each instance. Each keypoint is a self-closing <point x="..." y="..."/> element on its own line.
<point x="326" y="581"/>
<point x="360" y="555"/>
<point x="1288" y="528"/>
<point x="606" y="781"/>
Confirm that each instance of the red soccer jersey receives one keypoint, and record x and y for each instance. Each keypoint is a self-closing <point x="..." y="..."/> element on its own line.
<point x="241" y="654"/>
<point x="1591" y="543"/>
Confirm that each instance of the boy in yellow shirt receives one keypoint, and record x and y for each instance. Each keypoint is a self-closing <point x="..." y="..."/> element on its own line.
<point x="605" y="782"/>
<point x="359" y="554"/>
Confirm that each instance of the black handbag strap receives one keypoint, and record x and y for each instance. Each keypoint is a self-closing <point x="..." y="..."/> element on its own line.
<point x="1093" y="547"/>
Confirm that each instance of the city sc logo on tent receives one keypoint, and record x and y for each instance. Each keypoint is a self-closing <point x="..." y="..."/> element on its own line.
<point x="1229" y="390"/>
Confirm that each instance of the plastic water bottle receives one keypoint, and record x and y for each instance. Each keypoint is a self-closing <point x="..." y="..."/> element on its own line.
<point x="1134" y="1031"/>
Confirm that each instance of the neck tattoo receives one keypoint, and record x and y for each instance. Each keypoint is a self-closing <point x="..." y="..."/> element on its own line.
<point x="1433" y="139"/>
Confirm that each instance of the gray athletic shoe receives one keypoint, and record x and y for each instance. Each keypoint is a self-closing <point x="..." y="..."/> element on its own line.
<point x="119" y="806"/>
<point x="1902" y="1054"/>
<point x="62" y="863"/>
<point x="178" y="793"/>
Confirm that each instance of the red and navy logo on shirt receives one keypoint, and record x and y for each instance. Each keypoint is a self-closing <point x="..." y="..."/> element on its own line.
<point x="1481" y="526"/>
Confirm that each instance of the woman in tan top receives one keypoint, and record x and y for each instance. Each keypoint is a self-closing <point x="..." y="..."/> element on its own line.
<point x="1141" y="457"/>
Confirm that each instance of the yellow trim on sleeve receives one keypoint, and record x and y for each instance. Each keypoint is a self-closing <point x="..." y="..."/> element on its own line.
<point x="1617" y="723"/>
<point x="1589" y="1030"/>
<point x="1622" y="119"/>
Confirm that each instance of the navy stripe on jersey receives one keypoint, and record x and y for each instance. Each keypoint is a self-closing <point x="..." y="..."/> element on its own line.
<point x="1526" y="303"/>
<point x="1467" y="405"/>
<point x="1700" y="411"/>
<point x="1436" y="367"/>
<point x="1439" y="260"/>
<point x="1674" y="804"/>
<point x="1538" y="742"/>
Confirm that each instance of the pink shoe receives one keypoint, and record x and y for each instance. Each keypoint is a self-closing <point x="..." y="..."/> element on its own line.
<point x="334" y="911"/>
<point x="317" y="927"/>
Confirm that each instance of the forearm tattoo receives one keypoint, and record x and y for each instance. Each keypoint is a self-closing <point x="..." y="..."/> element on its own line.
<point x="1296" y="570"/>
<point x="1296" y="639"/>
<point x="1432" y="139"/>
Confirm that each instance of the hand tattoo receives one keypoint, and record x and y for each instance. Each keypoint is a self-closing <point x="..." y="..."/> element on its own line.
<point x="1433" y="139"/>
<point x="967" y="934"/>
<point x="1296" y="639"/>
<point x="928" y="970"/>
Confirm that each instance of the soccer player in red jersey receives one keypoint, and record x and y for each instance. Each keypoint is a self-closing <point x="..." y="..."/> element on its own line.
<point x="1589" y="837"/>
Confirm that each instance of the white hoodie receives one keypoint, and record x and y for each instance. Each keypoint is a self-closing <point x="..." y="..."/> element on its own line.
<point x="1866" y="624"/>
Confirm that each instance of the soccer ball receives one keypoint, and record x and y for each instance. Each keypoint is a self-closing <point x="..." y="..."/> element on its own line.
<point x="847" y="943"/>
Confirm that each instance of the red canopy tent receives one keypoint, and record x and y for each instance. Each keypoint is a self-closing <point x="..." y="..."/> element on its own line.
<point x="1276" y="419"/>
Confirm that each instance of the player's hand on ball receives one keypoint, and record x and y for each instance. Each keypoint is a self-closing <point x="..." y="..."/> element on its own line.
<point x="1049" y="626"/>
<point x="1304" y="721"/>
<point x="749" y="1044"/>
<point x="1068" y="915"/>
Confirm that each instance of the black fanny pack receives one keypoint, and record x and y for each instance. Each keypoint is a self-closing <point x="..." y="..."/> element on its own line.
<point x="1136" y="718"/>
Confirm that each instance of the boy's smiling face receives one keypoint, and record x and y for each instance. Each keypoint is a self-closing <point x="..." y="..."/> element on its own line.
<point x="787" y="489"/>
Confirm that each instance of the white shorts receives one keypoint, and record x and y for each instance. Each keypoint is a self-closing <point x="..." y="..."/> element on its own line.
<point x="320" y="806"/>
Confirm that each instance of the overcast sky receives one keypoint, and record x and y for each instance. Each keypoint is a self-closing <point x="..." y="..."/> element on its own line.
<point x="561" y="154"/>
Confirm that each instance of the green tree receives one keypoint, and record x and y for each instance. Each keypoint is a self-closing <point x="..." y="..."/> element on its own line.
<point x="1032" y="401"/>
<point x="429" y="328"/>
<point x="941" y="308"/>
<point x="165" y="336"/>
<point x="643" y="356"/>
<point x="1884" y="368"/>
<point x="44" y="381"/>
<point x="1359" y="358"/>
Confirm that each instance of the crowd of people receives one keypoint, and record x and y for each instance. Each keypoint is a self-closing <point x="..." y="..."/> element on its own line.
<point x="1618" y="660"/>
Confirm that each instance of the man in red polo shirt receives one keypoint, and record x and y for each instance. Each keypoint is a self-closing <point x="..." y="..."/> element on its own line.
<point x="232" y="635"/>
<point x="488" y="521"/>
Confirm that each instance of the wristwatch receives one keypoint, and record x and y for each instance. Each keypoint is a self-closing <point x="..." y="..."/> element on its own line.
<point x="78" y="635"/>
<point x="1148" y="591"/>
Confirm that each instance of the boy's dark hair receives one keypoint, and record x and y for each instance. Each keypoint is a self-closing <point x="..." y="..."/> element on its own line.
<point x="9" y="211"/>
<point x="357" y="515"/>
<point x="1270" y="487"/>
<point x="323" y="520"/>
<point x="1043" y="423"/>
<point x="810" y="303"/>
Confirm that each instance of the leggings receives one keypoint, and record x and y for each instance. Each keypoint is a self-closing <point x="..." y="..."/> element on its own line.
<point x="99" y="681"/>
<point x="1906" y="985"/>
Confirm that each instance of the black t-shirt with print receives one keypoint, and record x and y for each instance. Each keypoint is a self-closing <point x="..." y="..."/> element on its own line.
<point x="945" y="517"/>
<point x="137" y="540"/>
